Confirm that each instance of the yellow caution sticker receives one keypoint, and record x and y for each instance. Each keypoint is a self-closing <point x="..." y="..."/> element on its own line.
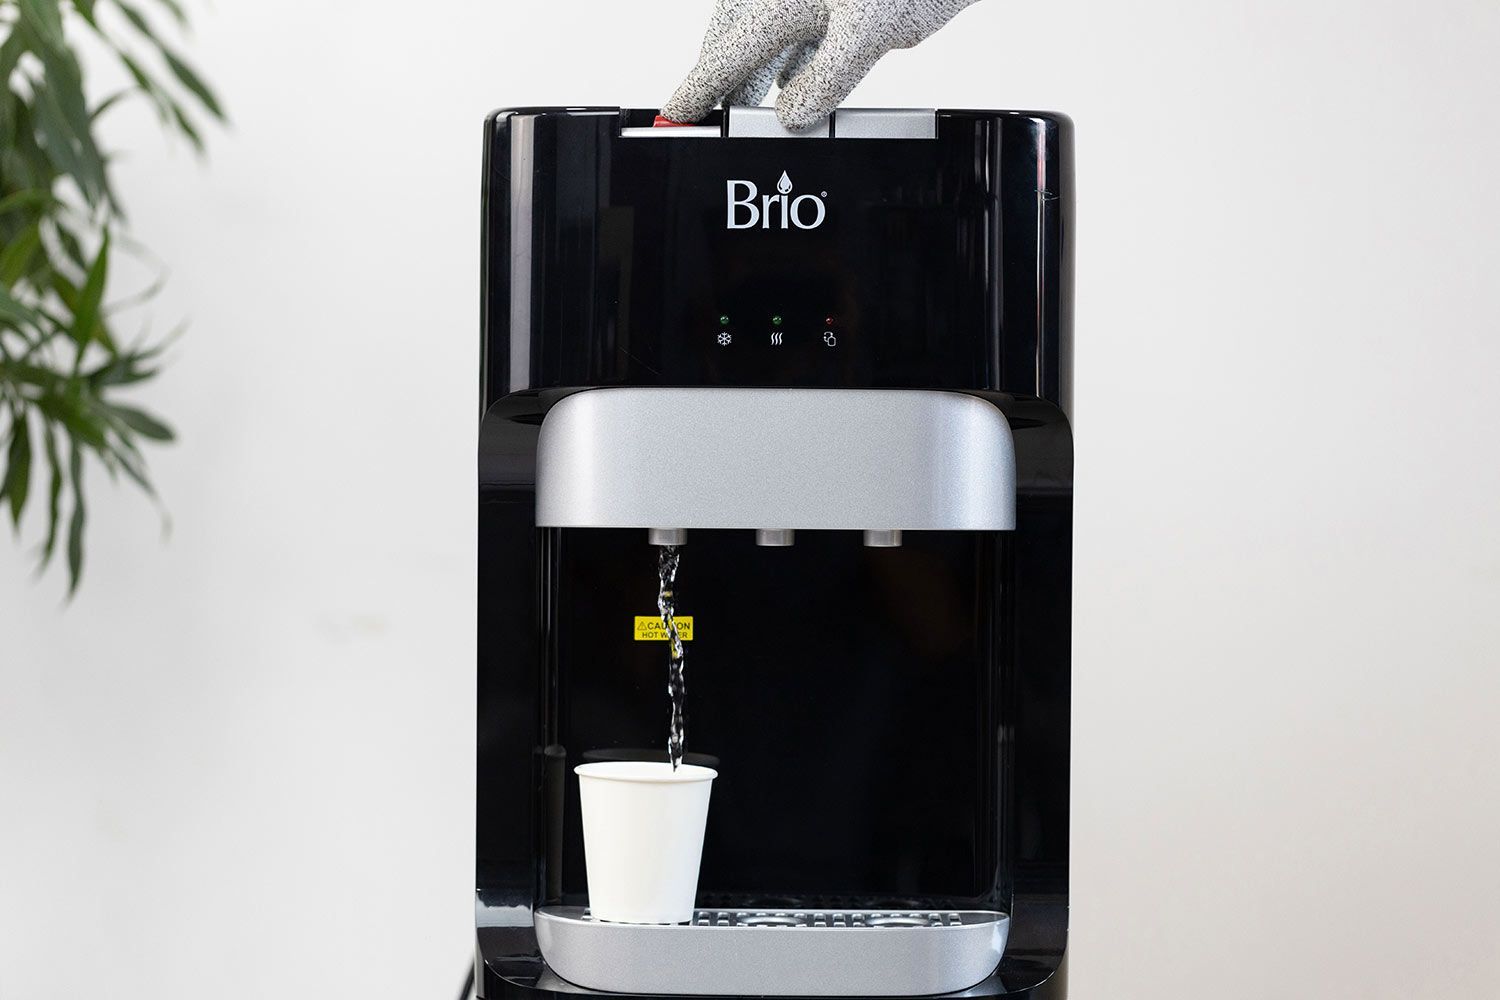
<point x="649" y="628"/>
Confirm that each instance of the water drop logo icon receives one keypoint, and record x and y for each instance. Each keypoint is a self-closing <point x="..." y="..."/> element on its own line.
<point x="785" y="184"/>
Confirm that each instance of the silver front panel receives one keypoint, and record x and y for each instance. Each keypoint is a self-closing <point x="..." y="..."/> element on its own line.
<point x="861" y="459"/>
<point x="777" y="952"/>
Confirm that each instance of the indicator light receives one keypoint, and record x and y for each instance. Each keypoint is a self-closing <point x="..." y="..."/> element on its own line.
<point x="776" y="320"/>
<point x="828" y="321"/>
<point x="724" y="320"/>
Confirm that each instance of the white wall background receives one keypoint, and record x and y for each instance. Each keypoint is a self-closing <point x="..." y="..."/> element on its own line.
<point x="239" y="765"/>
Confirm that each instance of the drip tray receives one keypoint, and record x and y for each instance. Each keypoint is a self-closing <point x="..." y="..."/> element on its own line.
<point x="777" y="952"/>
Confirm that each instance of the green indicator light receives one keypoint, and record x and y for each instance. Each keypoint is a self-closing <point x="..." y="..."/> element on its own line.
<point x="723" y="320"/>
<point x="776" y="320"/>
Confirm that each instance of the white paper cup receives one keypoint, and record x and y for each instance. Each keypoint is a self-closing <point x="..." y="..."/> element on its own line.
<point x="643" y="838"/>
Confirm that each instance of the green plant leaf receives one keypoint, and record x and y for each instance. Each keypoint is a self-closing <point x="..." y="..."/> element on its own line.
<point x="109" y="102"/>
<point x="185" y="125"/>
<point x="175" y="8"/>
<point x="72" y="247"/>
<point x="124" y="369"/>
<point x="82" y="427"/>
<point x="147" y="85"/>
<point x="76" y="522"/>
<point x="194" y="83"/>
<point x="45" y="18"/>
<point x="134" y="464"/>
<point x="60" y="145"/>
<point x="15" y="259"/>
<point x="11" y="51"/>
<point x="67" y="292"/>
<point x="134" y="15"/>
<point x="86" y="316"/>
<point x="29" y="198"/>
<point x="23" y="373"/>
<point x="54" y="493"/>
<point x="140" y="421"/>
<point x="18" y="468"/>
<point x="17" y="312"/>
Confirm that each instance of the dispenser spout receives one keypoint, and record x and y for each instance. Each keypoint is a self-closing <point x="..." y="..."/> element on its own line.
<point x="667" y="536"/>
<point x="775" y="537"/>
<point x="882" y="539"/>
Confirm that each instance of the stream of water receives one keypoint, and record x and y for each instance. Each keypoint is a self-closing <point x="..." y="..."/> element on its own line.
<point x="666" y="603"/>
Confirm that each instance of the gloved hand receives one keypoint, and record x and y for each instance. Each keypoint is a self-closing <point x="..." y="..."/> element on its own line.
<point x="817" y="50"/>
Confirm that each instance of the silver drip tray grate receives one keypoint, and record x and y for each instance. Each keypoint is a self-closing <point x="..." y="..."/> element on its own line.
<point x="831" y="918"/>
<point x="793" y="952"/>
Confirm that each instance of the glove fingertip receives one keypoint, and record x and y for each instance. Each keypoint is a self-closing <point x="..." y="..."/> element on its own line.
<point x="799" y="108"/>
<point x="800" y="120"/>
<point x="689" y="103"/>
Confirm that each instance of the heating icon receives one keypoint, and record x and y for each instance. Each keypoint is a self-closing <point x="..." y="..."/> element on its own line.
<point x="776" y="339"/>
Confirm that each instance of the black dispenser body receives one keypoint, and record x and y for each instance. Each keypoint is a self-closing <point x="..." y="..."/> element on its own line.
<point x="891" y="725"/>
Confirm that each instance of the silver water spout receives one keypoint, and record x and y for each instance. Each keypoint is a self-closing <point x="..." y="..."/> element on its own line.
<point x="666" y="536"/>
<point x="775" y="537"/>
<point x="882" y="539"/>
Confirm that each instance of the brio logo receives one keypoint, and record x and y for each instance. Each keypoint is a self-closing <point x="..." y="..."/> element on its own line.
<point x="773" y="211"/>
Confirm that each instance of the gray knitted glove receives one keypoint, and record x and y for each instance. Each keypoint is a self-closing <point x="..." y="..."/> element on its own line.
<point x="817" y="50"/>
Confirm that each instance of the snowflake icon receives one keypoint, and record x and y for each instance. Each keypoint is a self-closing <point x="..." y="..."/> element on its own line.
<point x="724" y="338"/>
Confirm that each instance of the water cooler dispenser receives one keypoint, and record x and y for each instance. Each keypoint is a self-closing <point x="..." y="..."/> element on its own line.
<point x="834" y="367"/>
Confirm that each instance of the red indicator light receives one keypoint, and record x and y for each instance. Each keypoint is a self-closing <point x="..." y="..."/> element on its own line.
<point x="829" y="321"/>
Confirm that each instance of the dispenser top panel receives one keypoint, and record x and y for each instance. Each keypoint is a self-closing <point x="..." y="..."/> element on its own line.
<point x="892" y="248"/>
